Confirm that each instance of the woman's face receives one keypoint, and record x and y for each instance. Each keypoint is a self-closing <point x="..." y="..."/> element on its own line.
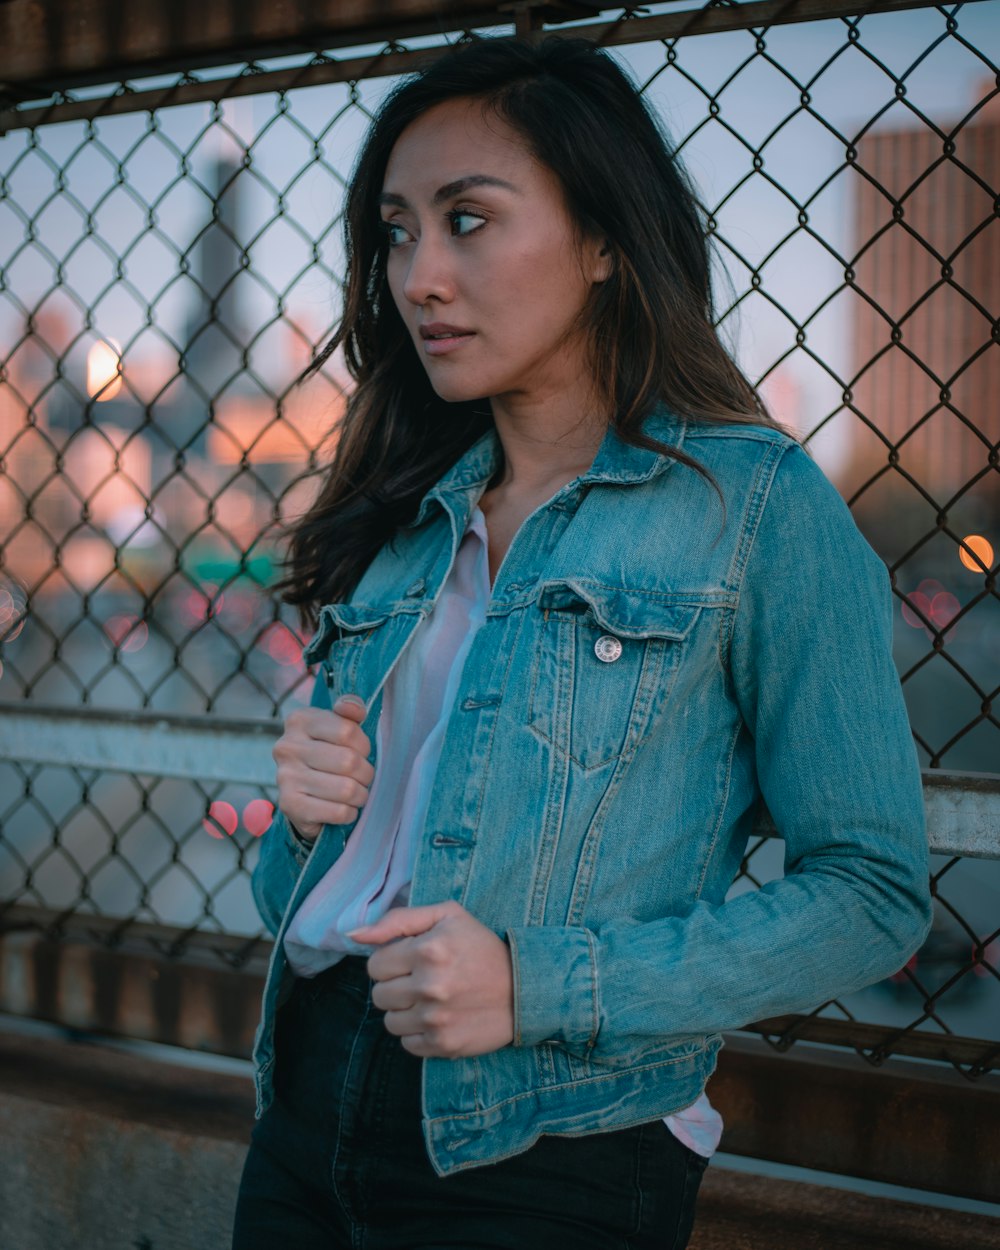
<point x="482" y="248"/>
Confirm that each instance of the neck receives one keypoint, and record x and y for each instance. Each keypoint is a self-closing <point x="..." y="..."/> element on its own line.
<point x="546" y="445"/>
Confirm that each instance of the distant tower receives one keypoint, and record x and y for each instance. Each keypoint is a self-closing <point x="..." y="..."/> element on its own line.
<point x="933" y="334"/>
<point x="215" y="334"/>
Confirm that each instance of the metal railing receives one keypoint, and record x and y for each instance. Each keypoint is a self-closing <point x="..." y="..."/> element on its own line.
<point x="169" y="262"/>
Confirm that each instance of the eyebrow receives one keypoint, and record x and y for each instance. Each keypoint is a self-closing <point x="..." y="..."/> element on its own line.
<point x="450" y="190"/>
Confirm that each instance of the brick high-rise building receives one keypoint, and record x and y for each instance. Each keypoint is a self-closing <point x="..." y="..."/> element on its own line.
<point x="926" y="367"/>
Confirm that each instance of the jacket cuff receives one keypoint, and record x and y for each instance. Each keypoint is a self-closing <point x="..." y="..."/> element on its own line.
<point x="300" y="846"/>
<point x="555" y="986"/>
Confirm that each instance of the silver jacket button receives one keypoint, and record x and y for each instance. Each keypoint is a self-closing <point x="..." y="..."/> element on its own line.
<point x="607" y="648"/>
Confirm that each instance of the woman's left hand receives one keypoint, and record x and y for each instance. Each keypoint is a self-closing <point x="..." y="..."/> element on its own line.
<point x="443" y="979"/>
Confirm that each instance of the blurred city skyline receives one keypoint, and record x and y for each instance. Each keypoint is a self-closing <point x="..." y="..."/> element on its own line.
<point x="180" y="278"/>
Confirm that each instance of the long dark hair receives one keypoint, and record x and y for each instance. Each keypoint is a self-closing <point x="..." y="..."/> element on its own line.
<point x="650" y="332"/>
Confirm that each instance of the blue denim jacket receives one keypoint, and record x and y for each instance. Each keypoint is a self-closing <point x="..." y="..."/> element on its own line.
<point x="595" y="812"/>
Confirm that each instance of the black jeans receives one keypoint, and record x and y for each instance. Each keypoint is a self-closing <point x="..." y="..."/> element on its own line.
<point x="338" y="1159"/>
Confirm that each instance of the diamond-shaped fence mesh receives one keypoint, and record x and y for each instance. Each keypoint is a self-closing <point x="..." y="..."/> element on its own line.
<point x="166" y="274"/>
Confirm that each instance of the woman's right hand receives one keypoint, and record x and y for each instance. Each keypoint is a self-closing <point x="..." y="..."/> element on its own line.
<point x="323" y="768"/>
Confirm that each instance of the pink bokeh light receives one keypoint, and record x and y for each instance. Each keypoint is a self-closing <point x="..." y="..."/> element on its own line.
<point x="257" y="816"/>
<point x="127" y="632"/>
<point x="221" y="820"/>
<point x="282" y="644"/>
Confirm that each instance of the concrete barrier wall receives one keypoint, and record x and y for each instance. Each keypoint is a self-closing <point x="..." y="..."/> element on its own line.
<point x="103" y="1150"/>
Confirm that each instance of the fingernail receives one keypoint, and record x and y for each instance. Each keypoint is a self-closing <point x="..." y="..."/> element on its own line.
<point x="351" y="698"/>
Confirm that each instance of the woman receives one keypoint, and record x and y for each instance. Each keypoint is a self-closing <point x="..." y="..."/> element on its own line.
<point x="583" y="605"/>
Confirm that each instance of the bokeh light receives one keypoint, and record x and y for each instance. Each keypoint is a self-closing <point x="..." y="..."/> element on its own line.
<point x="900" y="977"/>
<point x="938" y="606"/>
<point x="990" y="963"/>
<point x="128" y="633"/>
<point x="281" y="644"/>
<point x="12" y="615"/>
<point x="982" y="547"/>
<point x="257" y="816"/>
<point x="239" y="614"/>
<point x="919" y="601"/>
<point x="104" y="370"/>
<point x="944" y="608"/>
<point x="221" y="820"/>
<point x="200" y="605"/>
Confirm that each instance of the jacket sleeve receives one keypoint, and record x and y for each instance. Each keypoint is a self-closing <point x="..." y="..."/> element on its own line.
<point x="810" y="666"/>
<point x="283" y="853"/>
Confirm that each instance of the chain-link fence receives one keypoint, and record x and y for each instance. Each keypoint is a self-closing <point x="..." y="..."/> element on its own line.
<point x="170" y="260"/>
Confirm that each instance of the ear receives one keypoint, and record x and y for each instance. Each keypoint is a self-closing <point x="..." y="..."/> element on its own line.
<point x="602" y="262"/>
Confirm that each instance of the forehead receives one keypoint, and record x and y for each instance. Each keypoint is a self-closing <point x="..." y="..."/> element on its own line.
<point x="456" y="138"/>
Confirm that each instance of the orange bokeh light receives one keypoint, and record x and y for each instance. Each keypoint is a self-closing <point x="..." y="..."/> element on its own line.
<point x="982" y="547"/>
<point x="104" y="364"/>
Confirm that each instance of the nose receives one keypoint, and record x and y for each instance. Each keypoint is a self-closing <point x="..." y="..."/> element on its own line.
<point x="428" y="274"/>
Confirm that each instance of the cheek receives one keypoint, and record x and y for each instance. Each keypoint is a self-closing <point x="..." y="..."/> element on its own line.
<point x="547" y="291"/>
<point x="541" y="275"/>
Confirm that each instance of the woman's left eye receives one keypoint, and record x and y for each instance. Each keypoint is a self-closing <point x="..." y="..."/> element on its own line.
<point x="456" y="215"/>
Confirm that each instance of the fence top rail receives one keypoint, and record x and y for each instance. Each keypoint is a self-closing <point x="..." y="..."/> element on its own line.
<point x="962" y="808"/>
<point x="91" y="42"/>
<point x="32" y="69"/>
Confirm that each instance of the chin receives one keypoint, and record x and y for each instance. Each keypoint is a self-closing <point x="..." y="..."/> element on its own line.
<point x="453" y="392"/>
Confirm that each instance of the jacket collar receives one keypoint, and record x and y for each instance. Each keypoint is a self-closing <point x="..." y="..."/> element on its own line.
<point x="616" y="462"/>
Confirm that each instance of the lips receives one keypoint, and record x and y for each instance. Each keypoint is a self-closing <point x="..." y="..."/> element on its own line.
<point x="441" y="339"/>
<point x="441" y="330"/>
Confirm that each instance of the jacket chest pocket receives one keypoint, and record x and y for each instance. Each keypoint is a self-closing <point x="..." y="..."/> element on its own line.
<point x="602" y="668"/>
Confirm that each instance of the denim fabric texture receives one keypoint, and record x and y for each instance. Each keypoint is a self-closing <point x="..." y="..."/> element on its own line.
<point x="338" y="1158"/>
<point x="594" y="812"/>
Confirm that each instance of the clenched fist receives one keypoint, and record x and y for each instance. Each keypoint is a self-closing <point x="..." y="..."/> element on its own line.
<point x="444" y="980"/>
<point x="323" y="767"/>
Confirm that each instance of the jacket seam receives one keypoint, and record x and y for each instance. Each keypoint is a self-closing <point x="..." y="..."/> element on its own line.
<point x="595" y="1018"/>
<point x="724" y="803"/>
<point x="579" y="1083"/>
<point x="694" y="599"/>
<point x="766" y="471"/>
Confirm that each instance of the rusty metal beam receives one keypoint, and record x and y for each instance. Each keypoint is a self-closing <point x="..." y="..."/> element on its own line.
<point x="190" y="1001"/>
<point x="528" y="16"/>
<point x="977" y="1054"/>
<point x="120" y="977"/>
<point x="242" y="953"/>
<point x="60" y="44"/>
<point x="903" y="1123"/>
